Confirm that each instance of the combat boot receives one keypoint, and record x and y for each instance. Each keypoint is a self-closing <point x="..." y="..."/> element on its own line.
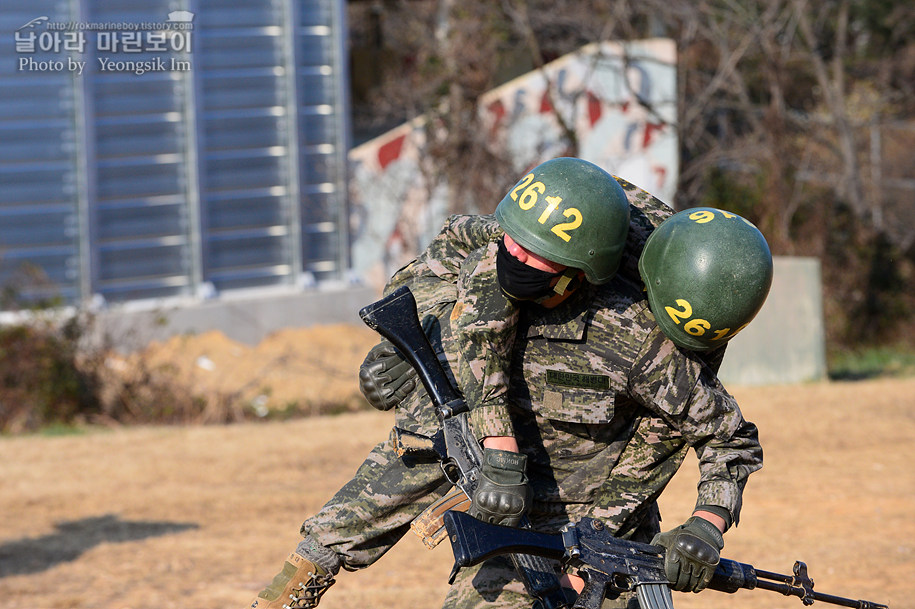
<point x="298" y="586"/>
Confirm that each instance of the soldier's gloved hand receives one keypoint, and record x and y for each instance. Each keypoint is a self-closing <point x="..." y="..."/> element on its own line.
<point x="502" y="495"/>
<point x="693" y="552"/>
<point x="385" y="378"/>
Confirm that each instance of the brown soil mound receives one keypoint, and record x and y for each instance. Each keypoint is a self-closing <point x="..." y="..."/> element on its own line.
<point x="307" y="370"/>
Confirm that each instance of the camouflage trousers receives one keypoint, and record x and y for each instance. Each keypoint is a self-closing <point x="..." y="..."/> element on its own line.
<point x="373" y="511"/>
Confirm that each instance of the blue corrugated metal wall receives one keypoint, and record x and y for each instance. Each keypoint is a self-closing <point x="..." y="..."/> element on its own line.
<point x="220" y="167"/>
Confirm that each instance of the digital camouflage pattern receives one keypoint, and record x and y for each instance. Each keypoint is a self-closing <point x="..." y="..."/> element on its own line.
<point x="483" y="323"/>
<point x="603" y="404"/>
<point x="373" y="511"/>
<point x="645" y="402"/>
<point x="458" y="271"/>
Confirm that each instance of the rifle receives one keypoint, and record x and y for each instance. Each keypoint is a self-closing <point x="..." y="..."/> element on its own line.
<point x="609" y="564"/>
<point x="395" y="318"/>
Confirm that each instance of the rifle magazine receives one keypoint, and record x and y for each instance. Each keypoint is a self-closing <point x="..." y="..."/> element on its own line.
<point x="655" y="596"/>
<point x="430" y="526"/>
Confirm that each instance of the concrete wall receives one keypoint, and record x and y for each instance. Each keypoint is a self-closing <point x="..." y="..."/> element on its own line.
<point x="247" y="319"/>
<point x="785" y="343"/>
<point x="621" y="101"/>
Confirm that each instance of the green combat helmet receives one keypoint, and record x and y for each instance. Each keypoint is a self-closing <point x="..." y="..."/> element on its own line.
<point x="569" y="211"/>
<point x="707" y="273"/>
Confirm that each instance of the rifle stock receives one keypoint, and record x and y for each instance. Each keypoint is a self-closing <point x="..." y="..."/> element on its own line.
<point x="395" y="317"/>
<point x="473" y="544"/>
<point x="609" y="563"/>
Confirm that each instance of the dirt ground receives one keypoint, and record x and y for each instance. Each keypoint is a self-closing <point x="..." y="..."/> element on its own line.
<point x="202" y="516"/>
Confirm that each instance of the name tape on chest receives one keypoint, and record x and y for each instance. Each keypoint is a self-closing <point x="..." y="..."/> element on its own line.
<point x="579" y="380"/>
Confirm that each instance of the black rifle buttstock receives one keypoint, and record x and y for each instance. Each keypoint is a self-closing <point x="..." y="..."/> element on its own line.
<point x="395" y="318"/>
<point x="474" y="541"/>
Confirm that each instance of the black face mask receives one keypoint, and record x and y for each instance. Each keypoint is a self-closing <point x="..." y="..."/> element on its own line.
<point x="520" y="281"/>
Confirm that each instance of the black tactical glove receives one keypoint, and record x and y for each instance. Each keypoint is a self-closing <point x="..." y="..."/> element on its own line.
<point x="502" y="495"/>
<point x="385" y="378"/>
<point x="693" y="552"/>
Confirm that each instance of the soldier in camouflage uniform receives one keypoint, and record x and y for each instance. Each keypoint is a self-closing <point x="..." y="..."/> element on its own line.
<point x="610" y="390"/>
<point x="603" y="442"/>
<point x="476" y="277"/>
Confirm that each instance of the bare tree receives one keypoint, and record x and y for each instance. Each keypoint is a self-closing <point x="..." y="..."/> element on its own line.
<point x="782" y="110"/>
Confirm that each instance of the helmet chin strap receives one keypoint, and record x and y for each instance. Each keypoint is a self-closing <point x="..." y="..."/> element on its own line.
<point x="567" y="283"/>
<point x="563" y="284"/>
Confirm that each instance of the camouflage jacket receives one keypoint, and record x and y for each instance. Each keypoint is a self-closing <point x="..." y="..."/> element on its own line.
<point x="455" y="285"/>
<point x="604" y="405"/>
<point x="606" y="408"/>
<point x="456" y="276"/>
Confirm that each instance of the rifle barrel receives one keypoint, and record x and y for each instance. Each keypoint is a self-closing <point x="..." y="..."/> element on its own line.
<point x="801" y="586"/>
<point x="809" y="596"/>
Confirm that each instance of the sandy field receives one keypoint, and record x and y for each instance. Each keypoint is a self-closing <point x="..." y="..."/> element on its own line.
<point x="202" y="516"/>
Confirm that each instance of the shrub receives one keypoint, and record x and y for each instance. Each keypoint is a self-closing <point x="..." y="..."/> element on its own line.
<point x="53" y="372"/>
<point x="40" y="378"/>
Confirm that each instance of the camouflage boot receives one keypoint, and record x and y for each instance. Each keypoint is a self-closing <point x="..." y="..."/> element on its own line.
<point x="299" y="585"/>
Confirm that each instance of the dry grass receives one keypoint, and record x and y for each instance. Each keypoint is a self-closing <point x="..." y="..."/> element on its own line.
<point x="202" y="517"/>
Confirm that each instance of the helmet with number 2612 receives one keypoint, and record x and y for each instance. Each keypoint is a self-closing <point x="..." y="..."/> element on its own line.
<point x="569" y="211"/>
